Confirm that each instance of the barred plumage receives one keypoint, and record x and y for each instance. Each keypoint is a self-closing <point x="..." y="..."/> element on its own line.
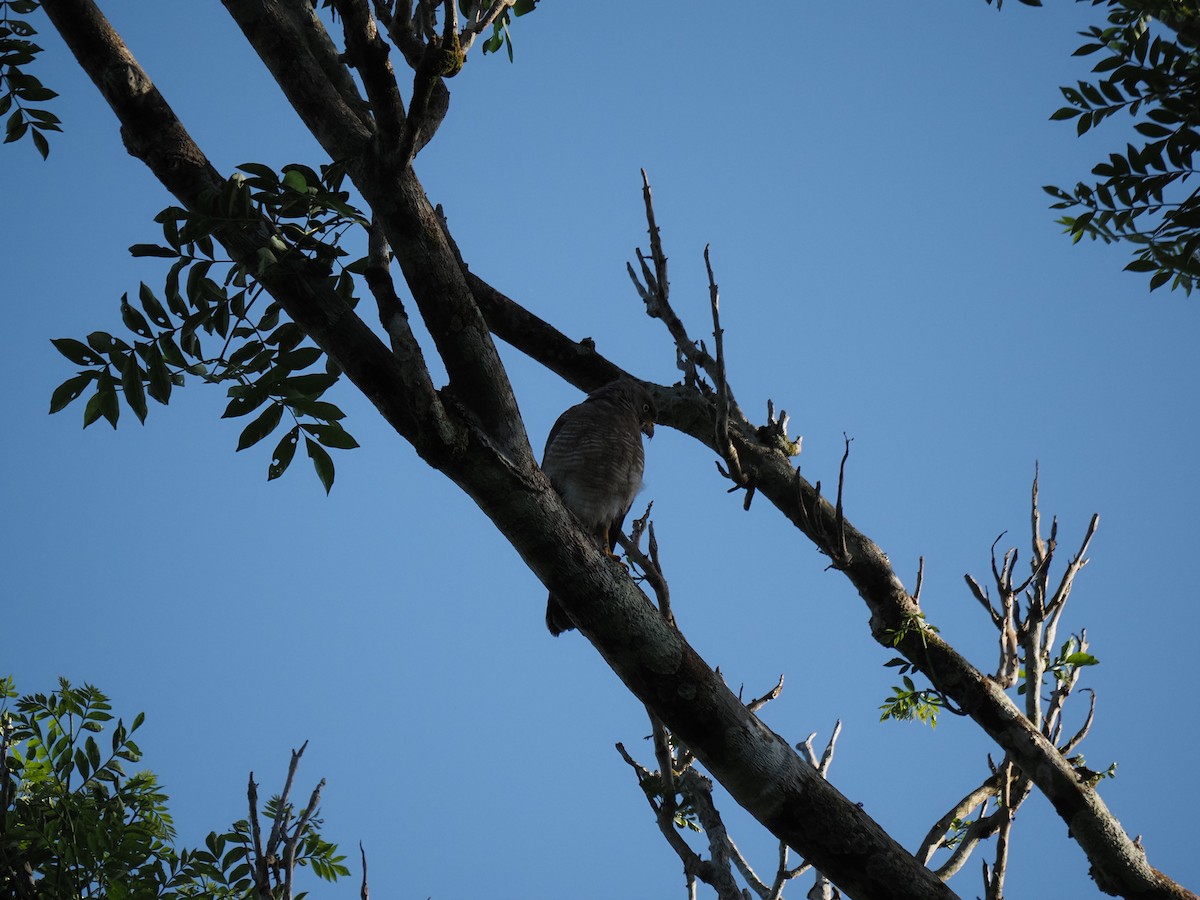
<point x="594" y="459"/>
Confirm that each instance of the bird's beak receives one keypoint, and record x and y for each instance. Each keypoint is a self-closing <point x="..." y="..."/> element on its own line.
<point x="648" y="429"/>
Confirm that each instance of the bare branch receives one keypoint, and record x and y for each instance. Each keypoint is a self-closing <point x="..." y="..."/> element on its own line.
<point x="649" y="565"/>
<point x="981" y="595"/>
<point x="840" y="555"/>
<point x="289" y="848"/>
<point x="262" y="880"/>
<point x="721" y="436"/>
<point x="827" y="756"/>
<point x="1077" y="738"/>
<point x="759" y="702"/>
<point x="692" y="863"/>
<point x="278" y="827"/>
<point x="994" y="885"/>
<point x="958" y="811"/>
<point x="1077" y="563"/>
<point x="472" y="30"/>
<point x="916" y="594"/>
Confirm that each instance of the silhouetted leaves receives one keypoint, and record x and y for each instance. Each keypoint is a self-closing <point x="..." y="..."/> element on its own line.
<point x="1140" y="197"/>
<point x="217" y="324"/>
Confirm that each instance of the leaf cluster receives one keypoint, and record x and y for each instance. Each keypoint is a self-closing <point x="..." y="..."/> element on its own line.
<point x="72" y="818"/>
<point x="73" y="823"/>
<point x="214" y="321"/>
<point x="1069" y="660"/>
<point x="500" y="37"/>
<point x="684" y="807"/>
<point x="1148" y="68"/>
<point x="19" y="90"/>
<point x="908" y="702"/>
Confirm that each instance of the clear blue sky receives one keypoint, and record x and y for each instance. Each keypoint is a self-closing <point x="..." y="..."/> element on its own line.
<point x="868" y="176"/>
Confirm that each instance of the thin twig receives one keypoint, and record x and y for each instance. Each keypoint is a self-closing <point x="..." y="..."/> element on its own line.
<point x="1077" y="738"/>
<point x="916" y="594"/>
<point x="721" y="436"/>
<point x="843" y="554"/>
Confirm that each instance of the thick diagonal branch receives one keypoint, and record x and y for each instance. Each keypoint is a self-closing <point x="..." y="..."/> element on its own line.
<point x="413" y="229"/>
<point x="760" y="770"/>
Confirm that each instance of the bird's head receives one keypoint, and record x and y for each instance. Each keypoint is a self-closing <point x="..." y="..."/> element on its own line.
<point x="646" y="410"/>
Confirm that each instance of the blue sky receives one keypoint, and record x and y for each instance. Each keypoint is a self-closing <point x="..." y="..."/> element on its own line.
<point x="868" y="177"/>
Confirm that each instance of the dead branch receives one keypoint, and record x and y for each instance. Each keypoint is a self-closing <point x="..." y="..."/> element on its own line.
<point x="759" y="702"/>
<point x="721" y="435"/>
<point x="650" y="565"/>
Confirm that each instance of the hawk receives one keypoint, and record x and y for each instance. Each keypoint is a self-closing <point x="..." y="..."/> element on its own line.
<point x="594" y="460"/>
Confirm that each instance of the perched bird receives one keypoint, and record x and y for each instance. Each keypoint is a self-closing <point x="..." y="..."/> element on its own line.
<point x="594" y="460"/>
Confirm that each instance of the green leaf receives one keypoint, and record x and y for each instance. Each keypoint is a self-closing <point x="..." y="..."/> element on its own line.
<point x="131" y="384"/>
<point x="103" y="402"/>
<point x="93" y="753"/>
<point x="332" y="435"/>
<point x="311" y="386"/>
<point x="318" y="409"/>
<point x="153" y="308"/>
<point x="261" y="426"/>
<point x="300" y="358"/>
<point x="15" y="127"/>
<point x="246" y="399"/>
<point x="100" y="341"/>
<point x="321" y="462"/>
<point x="133" y="319"/>
<point x="1160" y="279"/>
<point x="284" y="451"/>
<point x="1152" y="131"/>
<point x="39" y="142"/>
<point x="93" y="410"/>
<point x="158" y="375"/>
<point x="286" y="336"/>
<point x="1142" y="265"/>
<point x="1080" y="658"/>
<point x="77" y="352"/>
<point x="295" y="180"/>
<point x="69" y="391"/>
<point x="175" y="299"/>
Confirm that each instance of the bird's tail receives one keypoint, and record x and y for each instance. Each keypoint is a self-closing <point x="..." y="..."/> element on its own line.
<point x="557" y="619"/>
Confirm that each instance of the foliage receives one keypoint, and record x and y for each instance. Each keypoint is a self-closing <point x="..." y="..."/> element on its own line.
<point x="218" y="302"/>
<point x="73" y="823"/>
<point x="1150" y="69"/>
<point x="908" y="702"/>
<point x="500" y="37"/>
<point x="683" y="807"/>
<point x="18" y="89"/>
<point x="1066" y="664"/>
